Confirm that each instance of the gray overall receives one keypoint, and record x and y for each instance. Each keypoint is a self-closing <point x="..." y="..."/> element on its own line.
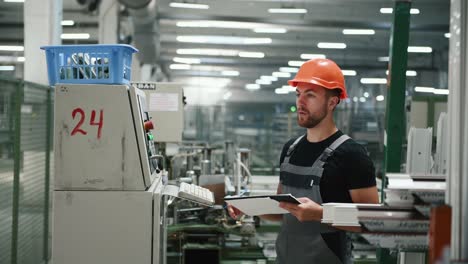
<point x="301" y="242"/>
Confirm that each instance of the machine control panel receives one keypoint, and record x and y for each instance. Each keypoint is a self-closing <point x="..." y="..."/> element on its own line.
<point x="103" y="138"/>
<point x="166" y="109"/>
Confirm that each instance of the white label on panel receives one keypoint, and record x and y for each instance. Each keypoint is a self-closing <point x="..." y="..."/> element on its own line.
<point x="166" y="102"/>
<point x="26" y="109"/>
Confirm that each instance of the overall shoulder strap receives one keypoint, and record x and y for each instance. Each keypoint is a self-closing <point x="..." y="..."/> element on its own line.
<point x="339" y="141"/>
<point x="293" y="146"/>
<point x="333" y="146"/>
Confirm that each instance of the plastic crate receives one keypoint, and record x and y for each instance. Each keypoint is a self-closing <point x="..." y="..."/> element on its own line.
<point x="89" y="64"/>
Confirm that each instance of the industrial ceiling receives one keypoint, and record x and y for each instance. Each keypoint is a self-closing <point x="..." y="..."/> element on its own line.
<point x="229" y="45"/>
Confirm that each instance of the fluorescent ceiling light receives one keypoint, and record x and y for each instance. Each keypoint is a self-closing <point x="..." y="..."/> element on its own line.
<point x="281" y="91"/>
<point x="306" y="56"/>
<point x="215" y="24"/>
<point x="222" y="40"/>
<point x="422" y="89"/>
<point x="384" y="58"/>
<point x="373" y="80"/>
<point x="295" y="63"/>
<point x="189" y="5"/>
<point x="331" y="45"/>
<point x="75" y="36"/>
<point x="281" y="74"/>
<point x="289" y="69"/>
<point x="179" y="66"/>
<point x="262" y="82"/>
<point x="288" y="88"/>
<point x="7" y="68"/>
<point x="13" y="1"/>
<point x="287" y="10"/>
<point x="193" y="39"/>
<point x="68" y="23"/>
<point x="257" y="40"/>
<point x="252" y="86"/>
<point x="349" y="72"/>
<point x="366" y="94"/>
<point x="11" y="48"/>
<point x="380" y="98"/>
<point x="408" y="73"/>
<point x="419" y="49"/>
<point x="441" y="91"/>
<point x="21" y="59"/>
<point x="269" y="78"/>
<point x="11" y="59"/>
<point x="270" y="30"/>
<point x="358" y="32"/>
<point x="187" y="60"/>
<point x="244" y="54"/>
<point x="285" y="89"/>
<point x="386" y="10"/>
<point x="447" y="35"/>
<point x="411" y="73"/>
<point x="230" y="73"/>
<point x="209" y="52"/>
<point x="389" y="10"/>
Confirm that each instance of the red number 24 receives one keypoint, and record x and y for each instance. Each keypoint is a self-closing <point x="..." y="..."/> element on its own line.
<point x="92" y="122"/>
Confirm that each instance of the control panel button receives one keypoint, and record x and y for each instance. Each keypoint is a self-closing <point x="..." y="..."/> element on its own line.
<point x="149" y="125"/>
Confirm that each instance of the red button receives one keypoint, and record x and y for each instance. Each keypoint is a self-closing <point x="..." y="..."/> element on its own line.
<point x="149" y="125"/>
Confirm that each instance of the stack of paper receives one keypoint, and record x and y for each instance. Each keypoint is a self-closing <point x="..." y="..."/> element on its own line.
<point x="398" y="241"/>
<point x="375" y="217"/>
<point x="394" y="220"/>
<point x="430" y="189"/>
<point x="396" y="193"/>
<point x="328" y="212"/>
<point x="343" y="214"/>
<point x="403" y="188"/>
<point x="398" y="197"/>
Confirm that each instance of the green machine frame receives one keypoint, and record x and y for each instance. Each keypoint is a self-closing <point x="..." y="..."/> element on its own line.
<point x="395" y="113"/>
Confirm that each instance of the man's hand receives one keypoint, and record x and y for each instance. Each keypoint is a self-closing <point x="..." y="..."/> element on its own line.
<point x="307" y="210"/>
<point x="234" y="212"/>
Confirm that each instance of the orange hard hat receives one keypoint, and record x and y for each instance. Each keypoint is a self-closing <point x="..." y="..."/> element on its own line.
<point x="322" y="72"/>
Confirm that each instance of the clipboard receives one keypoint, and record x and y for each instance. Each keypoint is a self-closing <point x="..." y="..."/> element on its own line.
<point x="261" y="204"/>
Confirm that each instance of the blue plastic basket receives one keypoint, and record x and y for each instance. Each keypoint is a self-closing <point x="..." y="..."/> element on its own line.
<point x="86" y="64"/>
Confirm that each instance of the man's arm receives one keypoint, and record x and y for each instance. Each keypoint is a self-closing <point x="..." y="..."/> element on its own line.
<point x="365" y="195"/>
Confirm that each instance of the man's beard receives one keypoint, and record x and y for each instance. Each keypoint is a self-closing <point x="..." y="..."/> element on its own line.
<point x="312" y="121"/>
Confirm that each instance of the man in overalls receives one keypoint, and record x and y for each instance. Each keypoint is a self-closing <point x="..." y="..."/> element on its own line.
<point x="320" y="167"/>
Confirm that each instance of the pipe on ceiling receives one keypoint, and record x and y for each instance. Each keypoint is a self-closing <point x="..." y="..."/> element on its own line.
<point x="143" y="15"/>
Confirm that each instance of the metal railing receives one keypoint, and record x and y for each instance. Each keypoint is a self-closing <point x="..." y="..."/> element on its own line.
<point x="25" y="162"/>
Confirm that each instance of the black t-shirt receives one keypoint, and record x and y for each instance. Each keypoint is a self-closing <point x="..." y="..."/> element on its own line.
<point x="348" y="168"/>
